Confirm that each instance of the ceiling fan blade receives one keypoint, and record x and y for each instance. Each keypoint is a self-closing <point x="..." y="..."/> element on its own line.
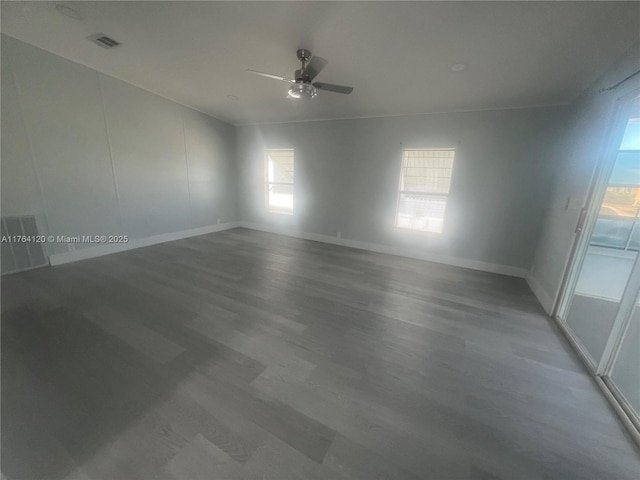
<point x="269" y="75"/>
<point x="330" y="87"/>
<point x="314" y="67"/>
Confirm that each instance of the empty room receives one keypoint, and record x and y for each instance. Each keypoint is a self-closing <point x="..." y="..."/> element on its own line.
<point x="320" y="240"/>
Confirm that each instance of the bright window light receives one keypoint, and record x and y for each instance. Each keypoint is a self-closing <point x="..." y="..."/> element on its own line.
<point x="425" y="178"/>
<point x="618" y="222"/>
<point x="279" y="181"/>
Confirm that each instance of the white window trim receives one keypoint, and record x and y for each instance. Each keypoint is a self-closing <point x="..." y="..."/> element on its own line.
<point x="268" y="184"/>
<point x="426" y="194"/>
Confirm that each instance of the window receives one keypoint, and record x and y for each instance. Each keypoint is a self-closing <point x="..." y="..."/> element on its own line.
<point x="618" y="223"/>
<point x="279" y="181"/>
<point x="425" y="177"/>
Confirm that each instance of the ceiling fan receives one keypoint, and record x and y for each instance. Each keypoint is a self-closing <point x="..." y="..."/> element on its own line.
<point x="302" y="86"/>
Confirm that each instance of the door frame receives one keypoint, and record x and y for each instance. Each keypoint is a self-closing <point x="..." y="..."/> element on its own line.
<point x="589" y="212"/>
<point x="621" y="322"/>
<point x="600" y="178"/>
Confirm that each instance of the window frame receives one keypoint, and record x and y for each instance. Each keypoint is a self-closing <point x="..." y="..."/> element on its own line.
<point x="268" y="184"/>
<point x="634" y="220"/>
<point x="425" y="194"/>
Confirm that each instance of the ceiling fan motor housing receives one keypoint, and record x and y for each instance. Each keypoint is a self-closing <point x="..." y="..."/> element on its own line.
<point x="303" y="54"/>
<point x="300" y="76"/>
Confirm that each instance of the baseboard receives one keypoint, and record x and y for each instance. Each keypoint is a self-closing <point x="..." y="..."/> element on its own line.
<point x="98" y="251"/>
<point x="547" y="301"/>
<point x="577" y="346"/>
<point x="378" y="248"/>
<point x="621" y="407"/>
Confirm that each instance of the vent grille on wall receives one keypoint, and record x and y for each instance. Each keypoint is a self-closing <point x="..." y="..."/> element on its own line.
<point x="103" y="41"/>
<point x="19" y="255"/>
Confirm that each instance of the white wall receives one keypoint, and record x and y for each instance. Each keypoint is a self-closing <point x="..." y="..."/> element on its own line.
<point x="89" y="154"/>
<point x="577" y="155"/>
<point x="347" y="172"/>
<point x="92" y="155"/>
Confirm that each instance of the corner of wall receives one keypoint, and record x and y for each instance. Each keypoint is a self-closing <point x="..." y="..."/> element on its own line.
<point x="546" y="299"/>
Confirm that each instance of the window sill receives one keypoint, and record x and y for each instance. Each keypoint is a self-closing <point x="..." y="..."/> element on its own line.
<point x="280" y="212"/>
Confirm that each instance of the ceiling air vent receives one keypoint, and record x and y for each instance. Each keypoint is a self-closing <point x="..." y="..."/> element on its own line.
<point x="103" y="41"/>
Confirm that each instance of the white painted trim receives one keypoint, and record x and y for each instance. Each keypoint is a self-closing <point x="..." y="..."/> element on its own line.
<point x="98" y="251"/>
<point x="546" y="300"/>
<point x="621" y="406"/>
<point x="607" y="154"/>
<point x="391" y="250"/>
<point x="395" y="115"/>
<point x="577" y="345"/>
<point x="621" y="322"/>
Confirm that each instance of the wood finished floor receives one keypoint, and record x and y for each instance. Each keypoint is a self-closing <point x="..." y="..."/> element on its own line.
<point x="243" y="354"/>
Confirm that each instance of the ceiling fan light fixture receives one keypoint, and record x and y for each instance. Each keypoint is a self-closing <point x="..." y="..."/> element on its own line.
<point x="302" y="90"/>
<point x="302" y="87"/>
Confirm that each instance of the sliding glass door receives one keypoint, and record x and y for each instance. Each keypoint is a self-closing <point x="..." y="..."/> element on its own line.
<point x="600" y="307"/>
<point x="623" y="374"/>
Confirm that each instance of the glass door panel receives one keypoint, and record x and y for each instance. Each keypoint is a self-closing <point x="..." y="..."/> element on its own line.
<point x="613" y="246"/>
<point x="625" y="373"/>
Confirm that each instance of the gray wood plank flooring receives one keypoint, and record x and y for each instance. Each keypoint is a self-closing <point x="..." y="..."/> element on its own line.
<point x="247" y="355"/>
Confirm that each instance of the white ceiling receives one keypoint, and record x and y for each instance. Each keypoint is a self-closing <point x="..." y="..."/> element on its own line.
<point x="396" y="55"/>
